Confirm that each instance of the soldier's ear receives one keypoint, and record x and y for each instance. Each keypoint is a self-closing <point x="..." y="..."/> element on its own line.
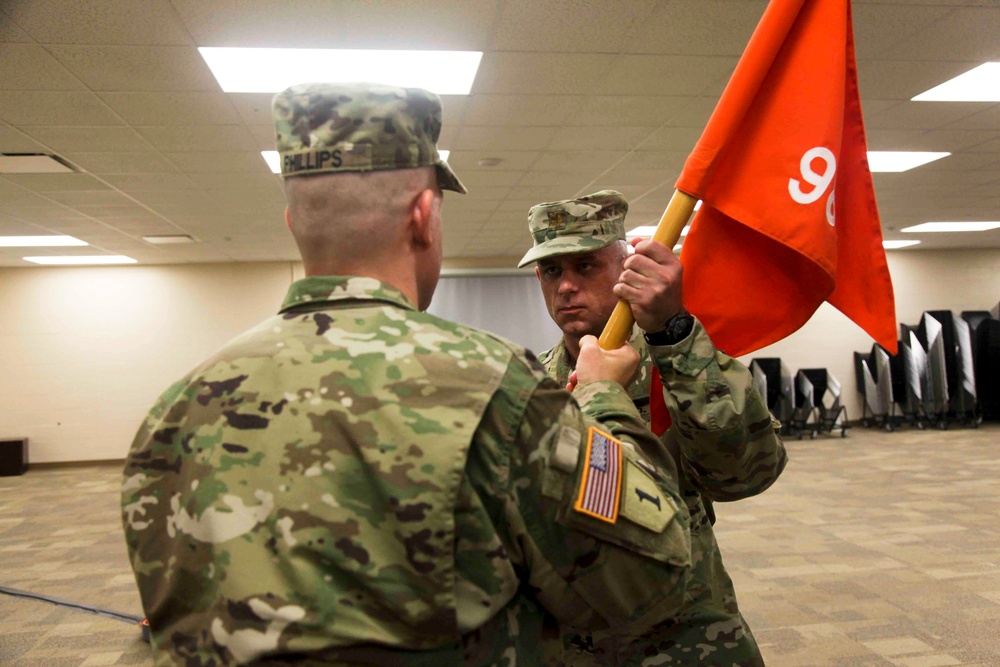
<point x="421" y="211"/>
<point x="288" y="218"/>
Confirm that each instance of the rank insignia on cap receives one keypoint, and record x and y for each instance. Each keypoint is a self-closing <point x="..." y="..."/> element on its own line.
<point x="600" y="487"/>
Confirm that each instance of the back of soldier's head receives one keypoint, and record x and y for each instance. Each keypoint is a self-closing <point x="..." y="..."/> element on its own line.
<point x="358" y="127"/>
<point x="351" y="152"/>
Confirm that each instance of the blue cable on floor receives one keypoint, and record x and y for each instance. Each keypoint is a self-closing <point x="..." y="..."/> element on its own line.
<point x="106" y="613"/>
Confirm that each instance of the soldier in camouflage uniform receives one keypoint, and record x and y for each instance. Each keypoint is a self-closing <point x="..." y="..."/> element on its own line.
<point x="723" y="439"/>
<point x="356" y="482"/>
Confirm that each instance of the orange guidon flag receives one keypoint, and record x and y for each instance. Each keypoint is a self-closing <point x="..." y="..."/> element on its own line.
<point x="788" y="217"/>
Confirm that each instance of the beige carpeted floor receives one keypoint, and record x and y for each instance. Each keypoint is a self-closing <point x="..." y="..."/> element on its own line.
<point x="60" y="536"/>
<point x="875" y="549"/>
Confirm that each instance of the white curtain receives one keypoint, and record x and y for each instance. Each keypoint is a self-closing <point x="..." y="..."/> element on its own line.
<point x="508" y="305"/>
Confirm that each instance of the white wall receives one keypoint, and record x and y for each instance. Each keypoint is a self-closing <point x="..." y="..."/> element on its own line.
<point x="84" y="352"/>
<point x="922" y="280"/>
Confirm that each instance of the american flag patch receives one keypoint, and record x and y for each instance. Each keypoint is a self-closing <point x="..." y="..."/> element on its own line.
<point x="602" y="477"/>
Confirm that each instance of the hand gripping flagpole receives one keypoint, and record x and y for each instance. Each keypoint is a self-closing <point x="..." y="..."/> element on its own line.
<point x="668" y="231"/>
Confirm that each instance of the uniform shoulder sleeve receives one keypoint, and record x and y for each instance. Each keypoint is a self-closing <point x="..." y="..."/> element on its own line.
<point x="730" y="444"/>
<point x="601" y="534"/>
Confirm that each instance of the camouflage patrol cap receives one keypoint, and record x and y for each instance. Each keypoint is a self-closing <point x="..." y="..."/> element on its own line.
<point x="338" y="127"/>
<point x="576" y="225"/>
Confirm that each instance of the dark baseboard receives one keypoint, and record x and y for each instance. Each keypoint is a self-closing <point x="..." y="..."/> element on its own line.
<point x="53" y="465"/>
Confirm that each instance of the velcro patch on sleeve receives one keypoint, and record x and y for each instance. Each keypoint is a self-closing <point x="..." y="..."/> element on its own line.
<point x="644" y="503"/>
<point x="600" y="485"/>
<point x="567" y="450"/>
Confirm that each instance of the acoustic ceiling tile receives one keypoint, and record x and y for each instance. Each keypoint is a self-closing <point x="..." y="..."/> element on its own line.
<point x="25" y="108"/>
<point x="30" y="67"/>
<point x="98" y="21"/>
<point x="174" y="108"/>
<point x="137" y="68"/>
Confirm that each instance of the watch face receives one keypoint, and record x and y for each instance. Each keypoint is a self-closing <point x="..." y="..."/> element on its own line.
<point x="677" y="329"/>
<point x="680" y="326"/>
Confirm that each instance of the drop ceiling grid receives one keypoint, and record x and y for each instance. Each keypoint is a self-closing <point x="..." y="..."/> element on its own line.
<point x="153" y="114"/>
<point x="124" y="95"/>
<point x="127" y="185"/>
<point x="132" y="184"/>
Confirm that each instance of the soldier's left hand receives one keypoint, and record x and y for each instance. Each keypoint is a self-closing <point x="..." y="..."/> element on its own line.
<point x="651" y="283"/>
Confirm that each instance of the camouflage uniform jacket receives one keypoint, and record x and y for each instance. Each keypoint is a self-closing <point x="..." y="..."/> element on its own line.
<point x="355" y="482"/>
<point x="727" y="447"/>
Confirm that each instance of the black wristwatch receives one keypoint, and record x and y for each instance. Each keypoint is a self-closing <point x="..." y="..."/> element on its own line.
<point x="674" y="331"/>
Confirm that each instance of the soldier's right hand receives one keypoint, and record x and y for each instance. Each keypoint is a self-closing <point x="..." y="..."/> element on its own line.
<point x="594" y="364"/>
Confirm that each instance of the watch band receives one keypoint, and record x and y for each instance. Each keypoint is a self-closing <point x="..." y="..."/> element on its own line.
<point x="674" y="331"/>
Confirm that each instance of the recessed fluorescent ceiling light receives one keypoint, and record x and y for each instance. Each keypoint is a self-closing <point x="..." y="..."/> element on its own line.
<point x="952" y="227"/>
<point x="81" y="259"/>
<point x="168" y="239"/>
<point x="245" y="70"/>
<point x="647" y="231"/>
<point x="893" y="245"/>
<point x="274" y="162"/>
<point x="979" y="84"/>
<point x="896" y="161"/>
<point x="39" y="241"/>
<point x="32" y="163"/>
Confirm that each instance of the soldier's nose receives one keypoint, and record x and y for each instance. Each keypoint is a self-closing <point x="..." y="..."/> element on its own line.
<point x="566" y="285"/>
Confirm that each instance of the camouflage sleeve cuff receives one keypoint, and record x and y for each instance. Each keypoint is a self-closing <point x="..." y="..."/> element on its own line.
<point x="709" y="388"/>
<point x="688" y="357"/>
<point x="729" y="443"/>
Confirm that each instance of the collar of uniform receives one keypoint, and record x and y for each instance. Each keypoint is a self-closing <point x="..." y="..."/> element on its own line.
<point x="557" y="363"/>
<point x="328" y="289"/>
